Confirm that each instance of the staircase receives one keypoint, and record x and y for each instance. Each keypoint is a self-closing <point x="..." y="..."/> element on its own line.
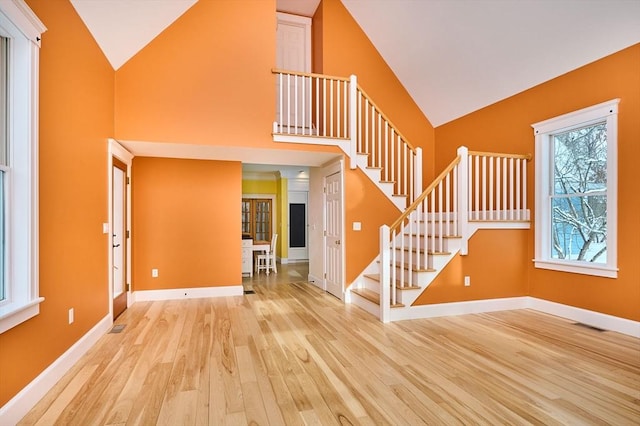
<point x="476" y="191"/>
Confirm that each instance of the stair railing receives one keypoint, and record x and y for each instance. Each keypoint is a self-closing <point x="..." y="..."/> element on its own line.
<point x="475" y="186"/>
<point x="337" y="110"/>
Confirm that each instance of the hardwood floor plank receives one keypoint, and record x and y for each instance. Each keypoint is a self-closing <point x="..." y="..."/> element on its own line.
<point x="291" y="354"/>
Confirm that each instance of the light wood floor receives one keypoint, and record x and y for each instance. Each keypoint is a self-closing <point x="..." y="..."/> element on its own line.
<point x="290" y="354"/>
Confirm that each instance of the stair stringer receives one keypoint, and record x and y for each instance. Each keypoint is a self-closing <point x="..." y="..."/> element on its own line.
<point x="361" y="161"/>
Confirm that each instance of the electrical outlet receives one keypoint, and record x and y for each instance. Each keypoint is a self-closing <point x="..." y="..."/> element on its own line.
<point x="154" y="273"/>
<point x="467" y="281"/>
<point x="71" y="316"/>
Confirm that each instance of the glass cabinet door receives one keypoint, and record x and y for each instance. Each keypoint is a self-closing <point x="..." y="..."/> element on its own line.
<point x="246" y="217"/>
<point x="256" y="219"/>
<point x="263" y="220"/>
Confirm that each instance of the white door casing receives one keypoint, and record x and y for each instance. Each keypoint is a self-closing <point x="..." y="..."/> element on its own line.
<point x="116" y="150"/>
<point x="333" y="281"/>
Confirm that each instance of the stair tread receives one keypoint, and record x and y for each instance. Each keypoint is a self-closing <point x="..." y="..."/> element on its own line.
<point x="374" y="168"/>
<point x="430" y="253"/>
<point x="376" y="277"/>
<point x="372" y="296"/>
<point x="387" y="181"/>
<point x="436" y="236"/>
<point x="413" y="267"/>
<point x="400" y="195"/>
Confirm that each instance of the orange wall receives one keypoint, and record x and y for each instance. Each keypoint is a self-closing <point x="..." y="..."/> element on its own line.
<point x="499" y="272"/>
<point x="186" y="223"/>
<point x="341" y="48"/>
<point x="506" y="127"/>
<point x="347" y="50"/>
<point x="366" y="204"/>
<point x="76" y="118"/>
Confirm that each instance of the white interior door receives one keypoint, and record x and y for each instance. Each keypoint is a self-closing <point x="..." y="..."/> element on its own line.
<point x="293" y="53"/>
<point x="333" y="235"/>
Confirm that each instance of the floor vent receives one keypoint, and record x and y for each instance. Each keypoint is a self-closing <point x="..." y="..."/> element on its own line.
<point x="249" y="292"/>
<point x="117" y="328"/>
<point x="589" y="326"/>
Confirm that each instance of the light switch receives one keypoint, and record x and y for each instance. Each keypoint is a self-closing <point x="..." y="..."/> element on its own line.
<point x="105" y="228"/>
<point x="357" y="226"/>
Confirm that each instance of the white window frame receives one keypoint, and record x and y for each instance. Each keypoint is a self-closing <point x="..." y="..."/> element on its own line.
<point x="23" y="28"/>
<point x="604" y="112"/>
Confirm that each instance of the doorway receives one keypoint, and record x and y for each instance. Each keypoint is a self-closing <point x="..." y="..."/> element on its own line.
<point x="119" y="237"/>
<point x="118" y="228"/>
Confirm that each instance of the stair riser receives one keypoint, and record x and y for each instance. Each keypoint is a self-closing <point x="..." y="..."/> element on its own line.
<point x="420" y="243"/>
<point x="436" y="229"/>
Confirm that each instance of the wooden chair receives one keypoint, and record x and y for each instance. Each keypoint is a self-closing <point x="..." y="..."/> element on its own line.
<point x="267" y="261"/>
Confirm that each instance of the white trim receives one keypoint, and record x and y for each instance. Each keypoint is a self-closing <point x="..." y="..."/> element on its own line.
<point x="187" y="293"/>
<point x="24" y="18"/>
<point x="14" y="410"/>
<point x="459" y="308"/>
<point x="592" y="318"/>
<point x="20" y="24"/>
<point x="116" y="150"/>
<point x="544" y="131"/>
<point x="585" y="316"/>
<point x="577" y="268"/>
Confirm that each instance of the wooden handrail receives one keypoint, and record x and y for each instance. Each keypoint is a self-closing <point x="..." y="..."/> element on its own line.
<point x="386" y="118"/>
<point x="307" y="74"/>
<point x="495" y="154"/>
<point x="426" y="192"/>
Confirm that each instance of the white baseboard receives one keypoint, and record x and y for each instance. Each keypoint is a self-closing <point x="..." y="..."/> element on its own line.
<point x="592" y="318"/>
<point x="14" y="410"/>
<point x="458" y="308"/>
<point x="584" y="316"/>
<point x="187" y="293"/>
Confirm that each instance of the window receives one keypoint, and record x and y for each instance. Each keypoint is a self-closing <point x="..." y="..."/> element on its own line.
<point x="576" y="191"/>
<point x="256" y="219"/>
<point x="20" y="33"/>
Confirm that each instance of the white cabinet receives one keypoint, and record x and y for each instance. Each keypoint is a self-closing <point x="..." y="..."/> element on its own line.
<point x="247" y="257"/>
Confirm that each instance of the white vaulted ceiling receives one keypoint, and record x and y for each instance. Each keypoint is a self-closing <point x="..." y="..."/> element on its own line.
<point x="453" y="56"/>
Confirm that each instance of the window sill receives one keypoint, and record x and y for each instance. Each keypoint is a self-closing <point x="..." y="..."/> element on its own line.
<point x="19" y="314"/>
<point x="577" y="268"/>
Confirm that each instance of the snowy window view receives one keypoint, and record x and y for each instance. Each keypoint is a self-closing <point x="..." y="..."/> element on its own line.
<point x="579" y="194"/>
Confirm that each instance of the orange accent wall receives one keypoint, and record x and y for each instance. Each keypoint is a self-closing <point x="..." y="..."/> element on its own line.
<point x="346" y="50"/>
<point x="186" y="223"/>
<point x="206" y="79"/>
<point x="506" y="127"/>
<point x="76" y="118"/>
<point x="366" y="204"/>
<point x="500" y="271"/>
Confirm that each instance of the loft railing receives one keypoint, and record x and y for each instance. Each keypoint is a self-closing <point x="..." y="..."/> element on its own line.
<point x="339" y="111"/>
<point x="474" y="186"/>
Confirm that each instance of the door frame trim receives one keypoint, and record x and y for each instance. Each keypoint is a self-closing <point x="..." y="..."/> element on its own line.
<point x="118" y="151"/>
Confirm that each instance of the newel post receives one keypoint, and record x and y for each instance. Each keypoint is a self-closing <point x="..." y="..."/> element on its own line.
<point x="463" y="198"/>
<point x="353" y="125"/>
<point x="385" y="273"/>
